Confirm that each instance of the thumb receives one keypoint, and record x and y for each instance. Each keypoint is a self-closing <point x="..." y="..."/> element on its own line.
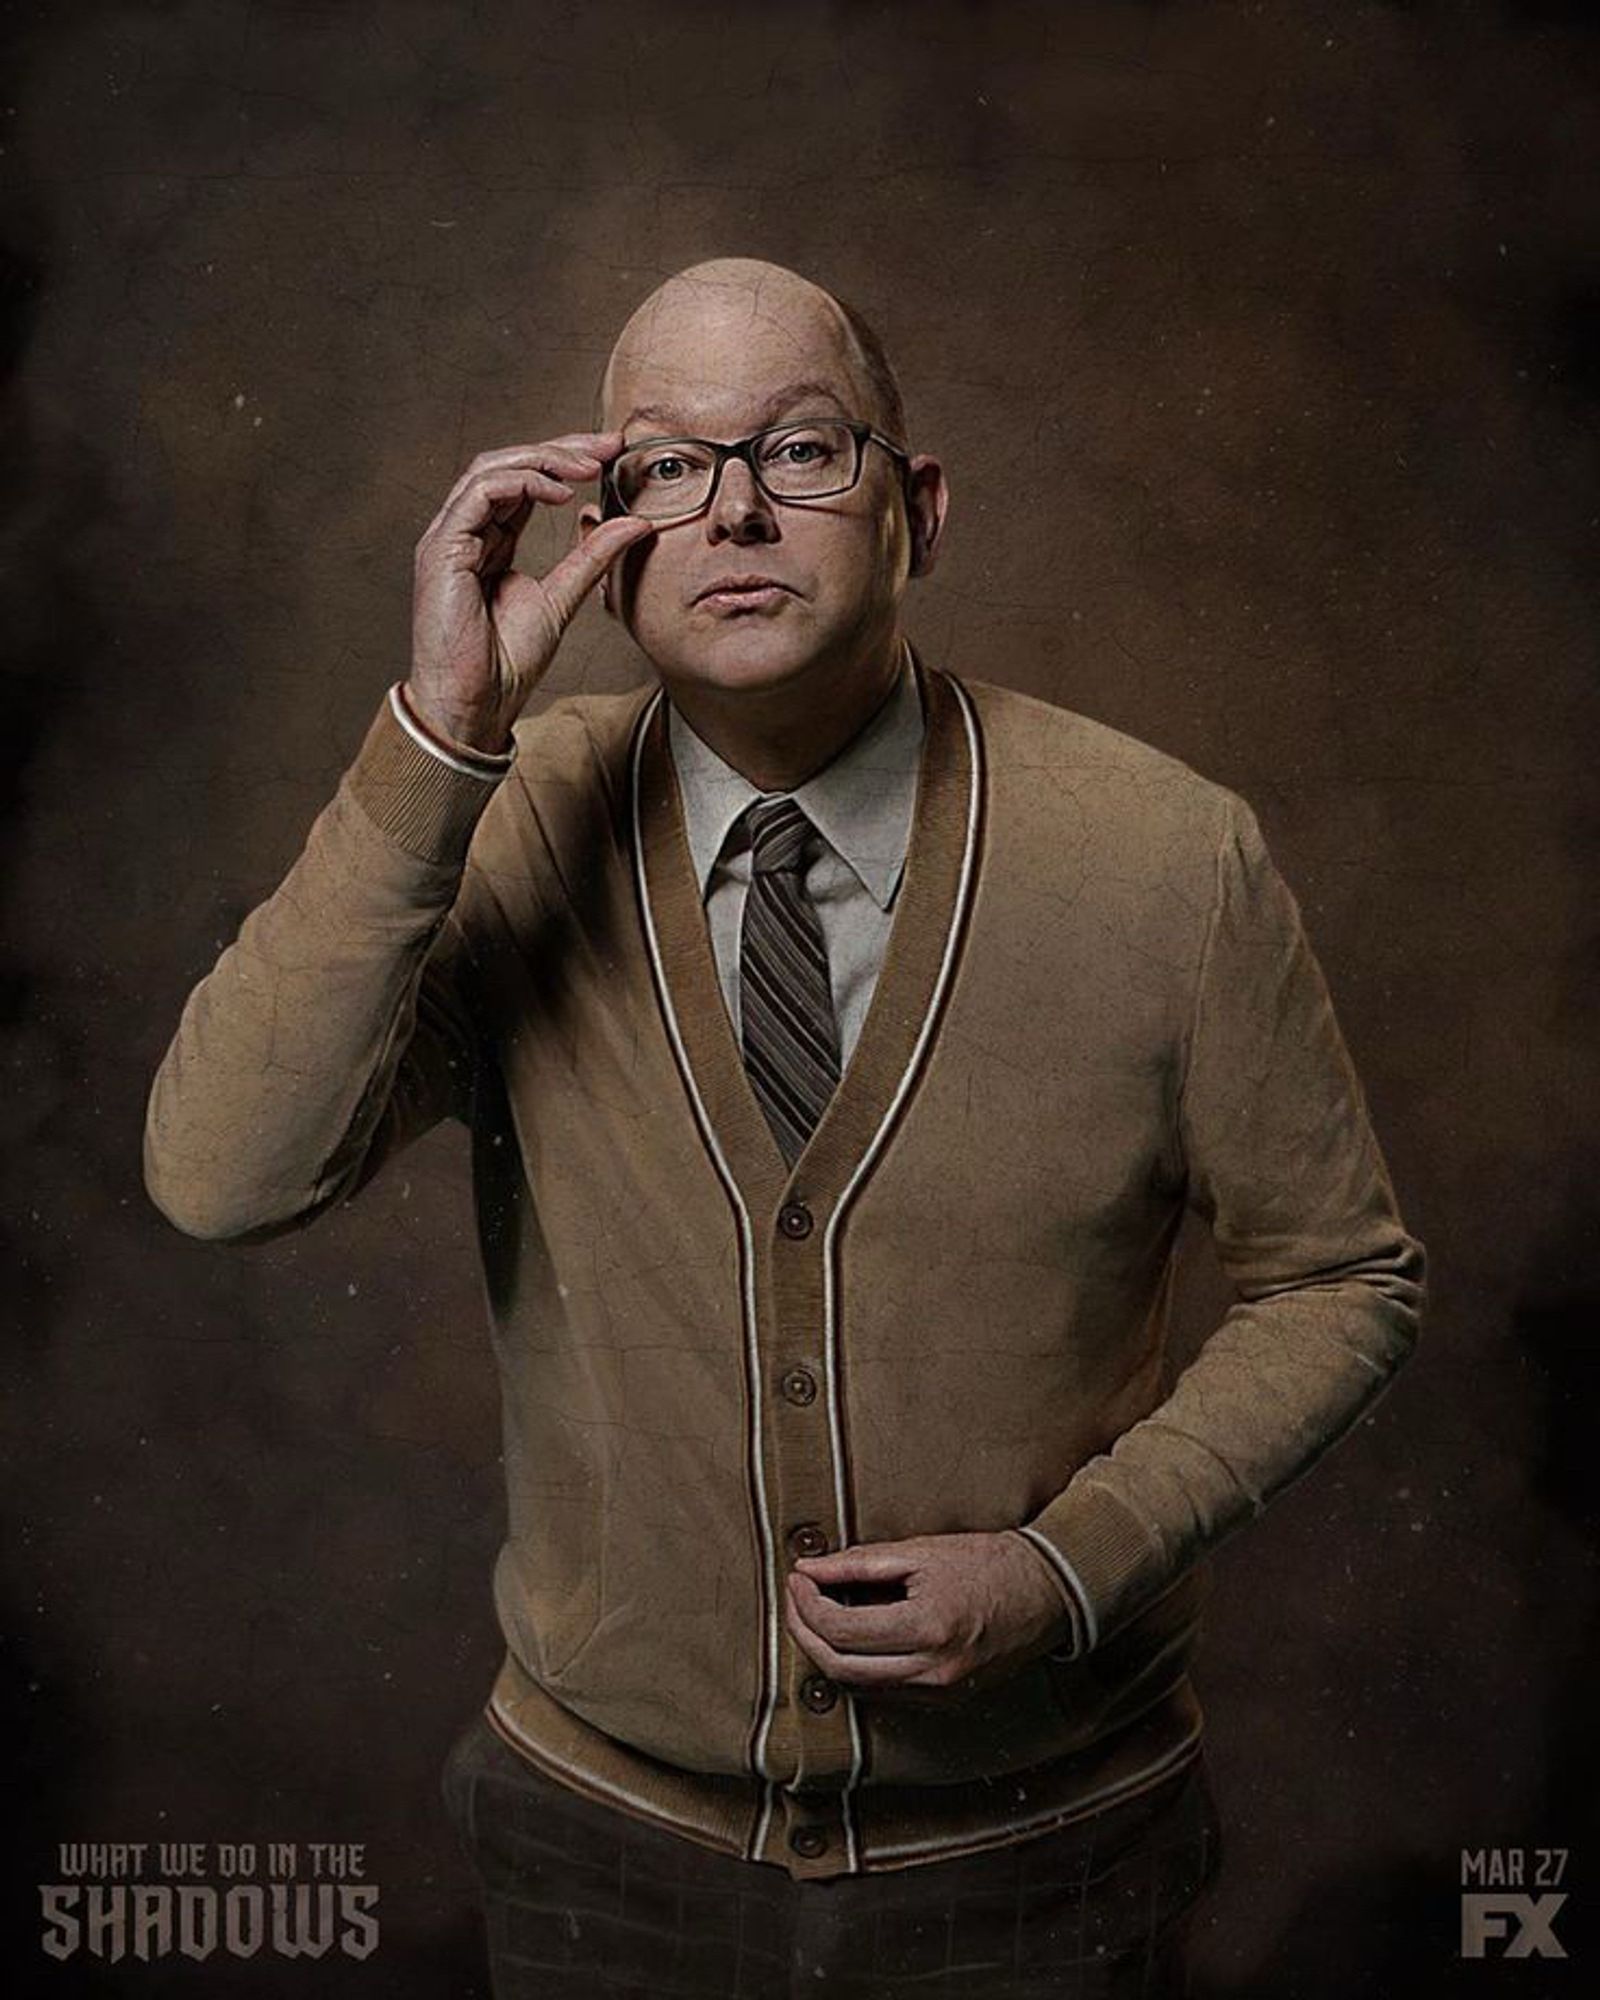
<point x="582" y="567"/>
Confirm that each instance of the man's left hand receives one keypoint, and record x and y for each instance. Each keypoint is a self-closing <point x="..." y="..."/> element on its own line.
<point x="970" y="1608"/>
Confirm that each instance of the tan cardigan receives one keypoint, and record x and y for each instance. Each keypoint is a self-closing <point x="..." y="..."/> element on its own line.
<point x="1097" y="1003"/>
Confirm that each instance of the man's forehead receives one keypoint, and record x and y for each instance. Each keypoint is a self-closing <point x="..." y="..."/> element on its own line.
<point x="699" y="354"/>
<point x="702" y="403"/>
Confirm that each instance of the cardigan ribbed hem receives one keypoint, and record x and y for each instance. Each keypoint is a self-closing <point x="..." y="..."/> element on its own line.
<point x="818" y="1833"/>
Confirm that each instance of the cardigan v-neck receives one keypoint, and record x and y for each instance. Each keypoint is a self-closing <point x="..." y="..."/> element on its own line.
<point x="934" y="896"/>
<point x="861" y="801"/>
<point x="860" y="804"/>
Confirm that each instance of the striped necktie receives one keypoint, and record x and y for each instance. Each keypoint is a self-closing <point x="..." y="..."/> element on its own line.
<point x="791" y="1040"/>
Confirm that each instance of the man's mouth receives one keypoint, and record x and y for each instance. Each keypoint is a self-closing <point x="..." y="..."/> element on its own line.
<point x="743" y="593"/>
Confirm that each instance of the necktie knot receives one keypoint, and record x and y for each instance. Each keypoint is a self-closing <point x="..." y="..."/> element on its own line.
<point x="779" y="836"/>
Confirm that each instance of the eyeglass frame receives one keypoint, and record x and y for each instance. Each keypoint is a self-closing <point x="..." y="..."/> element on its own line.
<point x="863" y="434"/>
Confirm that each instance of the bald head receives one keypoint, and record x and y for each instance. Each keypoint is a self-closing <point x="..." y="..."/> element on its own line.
<point x="739" y="331"/>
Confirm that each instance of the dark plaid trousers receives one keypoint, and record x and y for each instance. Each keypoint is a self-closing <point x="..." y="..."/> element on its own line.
<point x="584" y="1902"/>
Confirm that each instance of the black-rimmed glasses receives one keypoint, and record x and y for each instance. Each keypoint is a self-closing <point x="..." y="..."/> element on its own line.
<point x="669" y="479"/>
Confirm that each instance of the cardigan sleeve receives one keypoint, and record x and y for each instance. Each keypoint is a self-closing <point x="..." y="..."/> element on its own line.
<point x="1282" y="1163"/>
<point x="337" y="1026"/>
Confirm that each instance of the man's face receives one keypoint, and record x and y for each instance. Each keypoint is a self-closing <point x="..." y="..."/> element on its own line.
<point x="720" y="363"/>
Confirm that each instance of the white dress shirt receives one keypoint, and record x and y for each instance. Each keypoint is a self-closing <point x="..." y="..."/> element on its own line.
<point x="861" y="804"/>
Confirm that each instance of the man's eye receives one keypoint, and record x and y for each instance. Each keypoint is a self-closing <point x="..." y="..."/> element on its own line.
<point x="800" y="451"/>
<point x="667" y="469"/>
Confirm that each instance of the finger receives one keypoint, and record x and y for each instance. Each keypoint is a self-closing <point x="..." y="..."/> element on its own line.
<point x="581" y="568"/>
<point x="870" y="1670"/>
<point x="598" y="445"/>
<point x="510" y="517"/>
<point x="472" y="507"/>
<point x="589" y="449"/>
<point x="900" y="1627"/>
<point x="870" y="1562"/>
<point x="563" y="459"/>
<point x="590" y="444"/>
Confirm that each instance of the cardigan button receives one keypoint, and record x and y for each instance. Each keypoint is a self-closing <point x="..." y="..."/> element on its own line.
<point x="809" y="1841"/>
<point x="794" y="1219"/>
<point x="808" y="1540"/>
<point x="818" y="1693"/>
<point x="799" y="1385"/>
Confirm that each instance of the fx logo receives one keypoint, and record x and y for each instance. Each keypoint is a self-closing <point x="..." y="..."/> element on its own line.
<point x="1489" y="1917"/>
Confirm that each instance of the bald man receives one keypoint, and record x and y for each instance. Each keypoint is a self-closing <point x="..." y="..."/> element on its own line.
<point x="841" y="1041"/>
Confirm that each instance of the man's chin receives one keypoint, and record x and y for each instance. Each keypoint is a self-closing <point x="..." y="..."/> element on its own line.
<point x="753" y="658"/>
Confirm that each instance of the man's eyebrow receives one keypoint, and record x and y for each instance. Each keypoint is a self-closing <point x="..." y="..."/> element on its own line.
<point x="774" y="406"/>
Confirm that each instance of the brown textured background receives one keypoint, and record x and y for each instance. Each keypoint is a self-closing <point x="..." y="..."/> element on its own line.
<point x="1263" y="344"/>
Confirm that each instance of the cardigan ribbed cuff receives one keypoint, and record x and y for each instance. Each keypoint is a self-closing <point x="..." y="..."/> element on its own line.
<point x="1102" y="1556"/>
<point x="425" y="805"/>
<point x="1072" y="1603"/>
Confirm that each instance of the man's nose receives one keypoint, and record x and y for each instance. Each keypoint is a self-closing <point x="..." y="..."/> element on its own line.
<point x="740" y="512"/>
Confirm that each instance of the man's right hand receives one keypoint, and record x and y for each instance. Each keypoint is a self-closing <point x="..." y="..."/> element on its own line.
<point x="482" y="633"/>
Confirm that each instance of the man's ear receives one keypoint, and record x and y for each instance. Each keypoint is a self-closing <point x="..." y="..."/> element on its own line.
<point x="927" y="503"/>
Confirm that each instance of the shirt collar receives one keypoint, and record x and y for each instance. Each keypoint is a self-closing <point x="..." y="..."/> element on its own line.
<point x="861" y="803"/>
